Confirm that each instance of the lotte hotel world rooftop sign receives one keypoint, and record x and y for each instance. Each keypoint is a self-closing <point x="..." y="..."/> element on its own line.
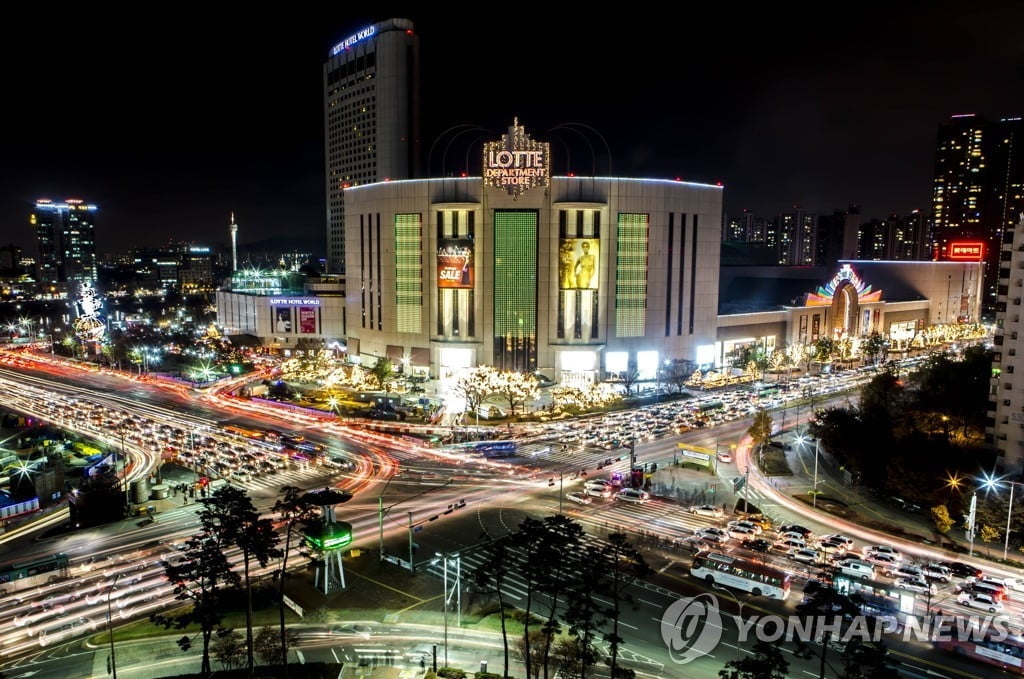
<point x="516" y="163"/>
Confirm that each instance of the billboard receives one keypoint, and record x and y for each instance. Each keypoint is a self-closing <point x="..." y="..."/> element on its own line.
<point x="517" y="163"/>
<point x="577" y="263"/>
<point x="961" y="251"/>
<point x="455" y="264"/>
<point x="282" y="319"/>
<point x="307" y="320"/>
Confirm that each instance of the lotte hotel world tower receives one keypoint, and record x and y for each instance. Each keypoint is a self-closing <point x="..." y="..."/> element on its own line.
<point x="371" y="86"/>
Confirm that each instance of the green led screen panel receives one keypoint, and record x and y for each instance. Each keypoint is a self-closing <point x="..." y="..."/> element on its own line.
<point x="631" y="275"/>
<point x="515" y="272"/>
<point x="408" y="272"/>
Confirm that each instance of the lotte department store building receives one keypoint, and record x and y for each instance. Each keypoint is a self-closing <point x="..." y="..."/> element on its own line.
<point x="574" y="277"/>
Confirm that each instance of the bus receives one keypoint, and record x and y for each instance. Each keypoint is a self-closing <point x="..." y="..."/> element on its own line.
<point x="739" y="573"/>
<point x="35" y="572"/>
<point x="496" y="448"/>
<point x="1005" y="651"/>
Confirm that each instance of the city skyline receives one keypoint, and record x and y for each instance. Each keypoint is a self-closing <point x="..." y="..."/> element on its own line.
<point x="229" y="116"/>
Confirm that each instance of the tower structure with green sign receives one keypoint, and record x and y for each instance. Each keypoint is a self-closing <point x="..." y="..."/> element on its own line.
<point x="328" y="537"/>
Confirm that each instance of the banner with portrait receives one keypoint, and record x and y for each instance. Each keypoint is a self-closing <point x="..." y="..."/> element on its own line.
<point x="578" y="263"/>
<point x="307" y="320"/>
<point x="282" y="319"/>
<point x="455" y="263"/>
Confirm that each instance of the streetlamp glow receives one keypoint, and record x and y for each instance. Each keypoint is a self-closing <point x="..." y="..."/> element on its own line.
<point x="991" y="483"/>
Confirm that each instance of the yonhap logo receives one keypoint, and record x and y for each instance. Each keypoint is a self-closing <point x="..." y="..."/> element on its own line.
<point x="691" y="627"/>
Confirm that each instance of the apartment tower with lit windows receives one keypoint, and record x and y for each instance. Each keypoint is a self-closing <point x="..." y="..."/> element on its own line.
<point x="371" y="87"/>
<point x="66" y="234"/>
<point x="978" y="193"/>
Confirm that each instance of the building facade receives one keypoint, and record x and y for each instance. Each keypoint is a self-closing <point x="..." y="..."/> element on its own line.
<point x="66" y="236"/>
<point x="578" y="278"/>
<point x="371" y="85"/>
<point x="1006" y="404"/>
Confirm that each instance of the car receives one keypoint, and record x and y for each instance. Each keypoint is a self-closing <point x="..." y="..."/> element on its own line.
<point x="838" y="537"/>
<point x="743" y="523"/>
<point x="712" y="534"/>
<point x="790" y="535"/>
<point x="920" y="586"/>
<point x="759" y="520"/>
<point x="634" y="495"/>
<point x="362" y="631"/>
<point x="886" y="562"/>
<point x="988" y="584"/>
<point x="979" y="600"/>
<point x="807" y="533"/>
<point x="832" y="549"/>
<point x="997" y="592"/>
<point x="934" y="571"/>
<point x="905" y="572"/>
<point x="598" y="491"/>
<point x="713" y="511"/>
<point x="963" y="570"/>
<point x="882" y="549"/>
<point x="741" y="532"/>
<point x="579" y="497"/>
<point x="724" y="456"/>
<point x="804" y="555"/>
<point x="758" y="545"/>
<point x="788" y="544"/>
<point x="597" y="483"/>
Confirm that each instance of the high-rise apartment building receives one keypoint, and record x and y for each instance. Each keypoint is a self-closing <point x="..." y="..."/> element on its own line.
<point x="371" y="117"/>
<point x="66" y="234"/>
<point x="795" y="236"/>
<point x="978" y="192"/>
<point x="1006" y="404"/>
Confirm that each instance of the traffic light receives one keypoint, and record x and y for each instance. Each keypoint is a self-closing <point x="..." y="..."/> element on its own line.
<point x="551" y="482"/>
<point x="714" y="487"/>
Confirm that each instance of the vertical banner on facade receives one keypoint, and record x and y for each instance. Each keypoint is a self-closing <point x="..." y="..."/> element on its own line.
<point x="282" y="319"/>
<point x="577" y="263"/>
<point x="455" y="263"/>
<point x="815" y="328"/>
<point x="307" y="320"/>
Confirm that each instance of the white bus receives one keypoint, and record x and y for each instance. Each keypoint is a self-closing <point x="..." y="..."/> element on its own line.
<point x="739" y="573"/>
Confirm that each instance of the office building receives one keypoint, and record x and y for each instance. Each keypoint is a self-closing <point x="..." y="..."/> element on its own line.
<point x="978" y="193"/>
<point x="371" y="87"/>
<point x="66" y="236"/>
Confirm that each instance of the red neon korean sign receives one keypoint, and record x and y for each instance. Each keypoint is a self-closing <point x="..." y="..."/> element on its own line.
<point x="965" y="251"/>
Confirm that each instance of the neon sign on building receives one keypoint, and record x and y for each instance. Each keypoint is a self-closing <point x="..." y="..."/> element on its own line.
<point x="966" y="251"/>
<point x="823" y="296"/>
<point x="516" y="163"/>
<point x="358" y="36"/>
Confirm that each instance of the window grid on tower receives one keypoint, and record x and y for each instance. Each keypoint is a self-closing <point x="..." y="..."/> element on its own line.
<point x="409" y="271"/>
<point x="631" y="275"/>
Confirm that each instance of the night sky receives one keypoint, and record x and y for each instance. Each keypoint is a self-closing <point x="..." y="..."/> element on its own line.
<point x="170" y="119"/>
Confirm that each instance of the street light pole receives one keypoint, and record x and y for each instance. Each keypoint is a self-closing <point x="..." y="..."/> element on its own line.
<point x="814" y="491"/>
<point x="1009" y="514"/>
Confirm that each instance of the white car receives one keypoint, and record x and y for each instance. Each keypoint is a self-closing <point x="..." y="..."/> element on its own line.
<point x="917" y="585"/>
<point x="842" y="539"/>
<point x="598" y="491"/>
<point x="724" y="456"/>
<point x="707" y="510"/>
<point x="741" y="532"/>
<point x="804" y="555"/>
<point x="634" y="495"/>
<point x="579" y="498"/>
<point x="712" y="534"/>
<point x="789" y="544"/>
<point x="597" y="483"/>
<point x="977" y="600"/>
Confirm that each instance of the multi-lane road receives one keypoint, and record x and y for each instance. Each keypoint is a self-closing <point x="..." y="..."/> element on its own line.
<point x="118" y="569"/>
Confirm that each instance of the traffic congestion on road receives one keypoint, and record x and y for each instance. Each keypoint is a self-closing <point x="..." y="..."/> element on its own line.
<point x="261" y="449"/>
